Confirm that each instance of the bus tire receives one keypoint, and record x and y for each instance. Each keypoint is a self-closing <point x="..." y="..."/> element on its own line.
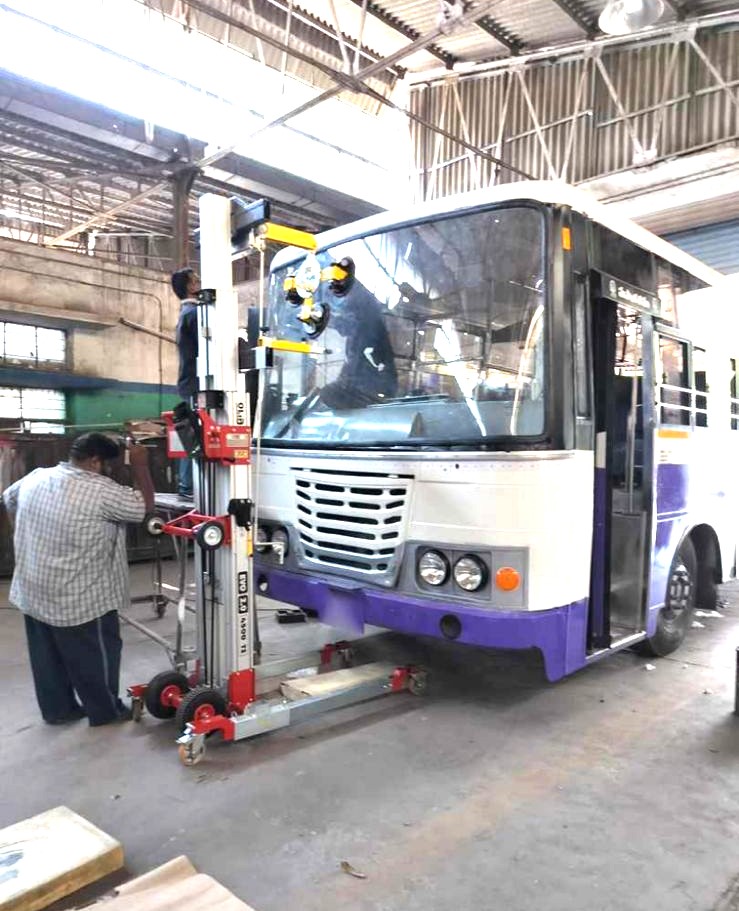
<point x="676" y="616"/>
<point x="706" y="590"/>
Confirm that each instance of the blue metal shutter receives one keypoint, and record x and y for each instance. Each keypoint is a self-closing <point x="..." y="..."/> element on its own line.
<point x="716" y="245"/>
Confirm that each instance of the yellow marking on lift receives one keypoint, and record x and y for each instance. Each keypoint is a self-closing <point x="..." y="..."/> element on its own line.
<point x="666" y="434"/>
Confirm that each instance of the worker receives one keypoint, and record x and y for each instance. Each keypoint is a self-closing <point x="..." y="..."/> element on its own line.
<point x="71" y="575"/>
<point x="368" y="375"/>
<point x="185" y="284"/>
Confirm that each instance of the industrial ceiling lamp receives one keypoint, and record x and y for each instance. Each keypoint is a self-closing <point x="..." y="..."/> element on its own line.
<point x="621" y="17"/>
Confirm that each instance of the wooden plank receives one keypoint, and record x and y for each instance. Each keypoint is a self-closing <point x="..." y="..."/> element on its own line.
<point x="336" y="681"/>
<point x="51" y="855"/>
<point x="175" y="886"/>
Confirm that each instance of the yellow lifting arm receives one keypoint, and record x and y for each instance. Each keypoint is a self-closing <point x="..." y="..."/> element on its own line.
<point x="283" y="344"/>
<point x="289" y="237"/>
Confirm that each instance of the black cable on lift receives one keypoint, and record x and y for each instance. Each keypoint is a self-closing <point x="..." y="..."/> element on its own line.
<point x="212" y="573"/>
<point x="201" y="491"/>
<point x="212" y="615"/>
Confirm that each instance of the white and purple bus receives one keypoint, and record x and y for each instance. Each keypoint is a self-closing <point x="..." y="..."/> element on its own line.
<point x="501" y="431"/>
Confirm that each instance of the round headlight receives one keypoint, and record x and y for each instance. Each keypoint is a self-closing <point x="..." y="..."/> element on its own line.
<point x="280" y="536"/>
<point x="470" y="573"/>
<point x="262" y="538"/>
<point x="433" y="568"/>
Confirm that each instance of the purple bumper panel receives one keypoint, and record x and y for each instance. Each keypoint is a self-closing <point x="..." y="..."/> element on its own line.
<point x="559" y="634"/>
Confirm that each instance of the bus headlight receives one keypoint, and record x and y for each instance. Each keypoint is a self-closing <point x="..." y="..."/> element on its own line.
<point x="281" y="538"/>
<point x="470" y="573"/>
<point x="433" y="568"/>
<point x="262" y="539"/>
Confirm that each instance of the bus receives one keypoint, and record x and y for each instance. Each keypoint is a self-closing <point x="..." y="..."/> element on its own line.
<point x="507" y="419"/>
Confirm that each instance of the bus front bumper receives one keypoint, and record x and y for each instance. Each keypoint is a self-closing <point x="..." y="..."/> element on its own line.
<point x="559" y="633"/>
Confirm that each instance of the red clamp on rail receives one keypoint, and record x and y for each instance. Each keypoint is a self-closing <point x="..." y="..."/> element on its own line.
<point x="229" y="444"/>
<point x="175" y="447"/>
<point x="210" y="532"/>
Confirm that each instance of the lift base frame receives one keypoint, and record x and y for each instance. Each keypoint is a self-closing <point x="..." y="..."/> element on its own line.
<point x="269" y="715"/>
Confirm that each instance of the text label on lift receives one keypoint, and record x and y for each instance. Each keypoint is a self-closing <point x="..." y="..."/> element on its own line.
<point x="243" y="604"/>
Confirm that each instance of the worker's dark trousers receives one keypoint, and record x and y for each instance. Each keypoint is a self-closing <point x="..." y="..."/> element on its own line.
<point x="85" y="659"/>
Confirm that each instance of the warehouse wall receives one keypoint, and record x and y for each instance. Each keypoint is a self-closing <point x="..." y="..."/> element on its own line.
<point x="112" y="372"/>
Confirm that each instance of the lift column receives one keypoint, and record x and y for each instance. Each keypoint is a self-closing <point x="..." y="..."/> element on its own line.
<point x="225" y="594"/>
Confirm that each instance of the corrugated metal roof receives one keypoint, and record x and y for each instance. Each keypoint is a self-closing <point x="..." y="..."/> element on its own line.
<point x="536" y="22"/>
<point x="504" y="27"/>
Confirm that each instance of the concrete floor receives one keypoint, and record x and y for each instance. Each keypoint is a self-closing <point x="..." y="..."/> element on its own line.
<point x="617" y="788"/>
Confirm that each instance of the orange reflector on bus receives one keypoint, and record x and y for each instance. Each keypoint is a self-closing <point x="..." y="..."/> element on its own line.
<point x="566" y="239"/>
<point x="507" y="579"/>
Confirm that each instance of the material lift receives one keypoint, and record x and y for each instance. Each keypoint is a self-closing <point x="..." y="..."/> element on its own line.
<point x="223" y="688"/>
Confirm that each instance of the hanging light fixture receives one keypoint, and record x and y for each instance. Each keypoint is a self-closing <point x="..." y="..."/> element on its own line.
<point x="621" y="17"/>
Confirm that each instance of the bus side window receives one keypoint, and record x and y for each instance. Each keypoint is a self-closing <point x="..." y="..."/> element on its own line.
<point x="674" y="391"/>
<point x="734" y="399"/>
<point x="700" y="387"/>
<point x="581" y="353"/>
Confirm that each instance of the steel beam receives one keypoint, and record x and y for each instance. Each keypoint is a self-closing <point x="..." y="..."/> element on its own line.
<point x="579" y="15"/>
<point x="343" y="81"/>
<point x="402" y="28"/>
<point x="658" y="34"/>
<point x="502" y="35"/>
<point x="181" y="188"/>
<point x="680" y="8"/>
<point x="296" y="15"/>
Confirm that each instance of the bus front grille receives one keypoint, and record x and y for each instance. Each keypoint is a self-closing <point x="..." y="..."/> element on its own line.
<point x="351" y="522"/>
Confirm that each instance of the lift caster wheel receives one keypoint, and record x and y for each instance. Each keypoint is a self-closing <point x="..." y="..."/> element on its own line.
<point x="191" y="753"/>
<point x="160" y="606"/>
<point x="160" y="688"/>
<point x="154" y="525"/>
<point x="209" y="535"/>
<point x="199" y="704"/>
<point x="137" y="708"/>
<point x="418" y="683"/>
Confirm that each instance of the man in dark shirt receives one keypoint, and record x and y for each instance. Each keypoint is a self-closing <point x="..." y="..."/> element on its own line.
<point x="368" y="375"/>
<point x="186" y="285"/>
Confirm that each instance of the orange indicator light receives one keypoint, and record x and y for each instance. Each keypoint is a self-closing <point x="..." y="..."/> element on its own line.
<point x="507" y="579"/>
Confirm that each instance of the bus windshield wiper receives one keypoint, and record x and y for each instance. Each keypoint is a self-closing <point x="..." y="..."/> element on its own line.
<point x="297" y="416"/>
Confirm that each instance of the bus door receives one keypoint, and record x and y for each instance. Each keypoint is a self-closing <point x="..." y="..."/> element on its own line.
<point x="622" y="340"/>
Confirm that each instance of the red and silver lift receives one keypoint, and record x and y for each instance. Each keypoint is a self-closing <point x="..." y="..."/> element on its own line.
<point x="222" y="688"/>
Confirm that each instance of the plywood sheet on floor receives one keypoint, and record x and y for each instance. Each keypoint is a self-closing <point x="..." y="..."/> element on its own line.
<point x="175" y="886"/>
<point x="49" y="856"/>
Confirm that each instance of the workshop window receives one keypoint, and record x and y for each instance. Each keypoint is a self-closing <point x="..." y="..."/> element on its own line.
<point x="32" y="410"/>
<point x="33" y="346"/>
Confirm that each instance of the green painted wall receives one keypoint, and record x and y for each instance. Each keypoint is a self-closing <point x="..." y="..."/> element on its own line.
<point x="99" y="407"/>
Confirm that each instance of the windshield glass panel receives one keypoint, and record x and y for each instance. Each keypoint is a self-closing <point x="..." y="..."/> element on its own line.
<point x="435" y="337"/>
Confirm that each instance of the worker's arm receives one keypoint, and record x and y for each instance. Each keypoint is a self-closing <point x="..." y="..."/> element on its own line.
<point x="139" y="461"/>
<point x="121" y="504"/>
<point x="10" y="497"/>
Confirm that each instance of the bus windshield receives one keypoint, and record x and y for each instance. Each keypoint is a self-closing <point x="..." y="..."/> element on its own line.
<point x="437" y="338"/>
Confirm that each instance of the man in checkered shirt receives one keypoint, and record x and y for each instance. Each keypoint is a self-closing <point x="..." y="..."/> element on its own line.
<point x="71" y="575"/>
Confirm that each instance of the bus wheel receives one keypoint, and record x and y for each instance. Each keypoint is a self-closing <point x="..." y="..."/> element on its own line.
<point x="676" y="616"/>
